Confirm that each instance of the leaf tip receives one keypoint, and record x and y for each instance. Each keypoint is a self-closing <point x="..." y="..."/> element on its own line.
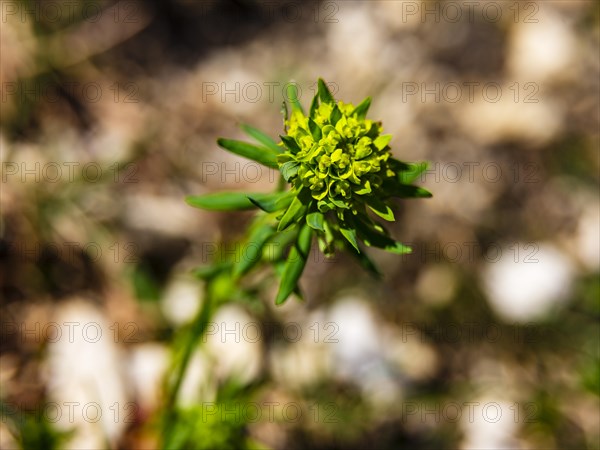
<point x="281" y="298"/>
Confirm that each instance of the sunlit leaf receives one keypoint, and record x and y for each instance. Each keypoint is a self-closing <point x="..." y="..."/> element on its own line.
<point x="261" y="137"/>
<point x="293" y="97"/>
<point x="314" y="105"/>
<point x="362" y="109"/>
<point x="290" y="143"/>
<point x="225" y="201"/>
<point x="315" y="129"/>
<point x="350" y="236"/>
<point x="368" y="233"/>
<point x="316" y="220"/>
<point x="294" y="212"/>
<point x="289" y="169"/>
<point x="273" y="202"/>
<point x="382" y="141"/>
<point x="381" y="209"/>
<point x="412" y="172"/>
<point x="262" y="155"/>
<point x="335" y="115"/>
<point x="324" y="92"/>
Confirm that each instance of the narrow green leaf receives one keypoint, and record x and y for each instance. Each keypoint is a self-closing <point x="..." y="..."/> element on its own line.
<point x="293" y="97"/>
<point x="261" y="137"/>
<point x="315" y="129"/>
<point x="362" y="109"/>
<point x="279" y="269"/>
<point x="272" y="202"/>
<point x="398" y="248"/>
<point x="289" y="169"/>
<point x="262" y="155"/>
<point x="381" y="209"/>
<point x="294" y="265"/>
<point x="413" y="171"/>
<point x="410" y="191"/>
<point x="316" y="220"/>
<point x="374" y="131"/>
<point x="350" y="236"/>
<point x="374" y="238"/>
<point x="335" y="115"/>
<point x="296" y="210"/>
<point x="290" y="143"/>
<point x="278" y="244"/>
<point x="251" y="251"/>
<point x="324" y="92"/>
<point x="398" y="166"/>
<point x="314" y="105"/>
<point x="225" y="201"/>
<point x="366" y="262"/>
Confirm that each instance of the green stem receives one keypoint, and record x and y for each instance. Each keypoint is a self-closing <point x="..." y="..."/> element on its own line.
<point x="196" y="333"/>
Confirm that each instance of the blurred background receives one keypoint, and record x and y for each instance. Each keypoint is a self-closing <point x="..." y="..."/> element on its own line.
<point x="486" y="336"/>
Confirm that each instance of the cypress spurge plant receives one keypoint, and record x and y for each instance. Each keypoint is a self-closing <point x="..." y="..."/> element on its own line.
<point x="340" y="177"/>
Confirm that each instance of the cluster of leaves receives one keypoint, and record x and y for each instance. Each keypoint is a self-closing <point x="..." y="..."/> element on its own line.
<point x="221" y="424"/>
<point x="339" y="167"/>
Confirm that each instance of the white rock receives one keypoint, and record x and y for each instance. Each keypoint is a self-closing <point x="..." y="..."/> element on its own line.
<point x="528" y="281"/>
<point x="234" y="341"/>
<point x="181" y="300"/>
<point x="491" y="425"/>
<point x="147" y="365"/>
<point x="85" y="379"/>
<point x="544" y="49"/>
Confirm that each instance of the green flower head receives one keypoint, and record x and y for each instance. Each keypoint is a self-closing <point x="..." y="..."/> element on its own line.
<point x="337" y="154"/>
<point x="341" y="176"/>
<point x="342" y="159"/>
<point x="340" y="167"/>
